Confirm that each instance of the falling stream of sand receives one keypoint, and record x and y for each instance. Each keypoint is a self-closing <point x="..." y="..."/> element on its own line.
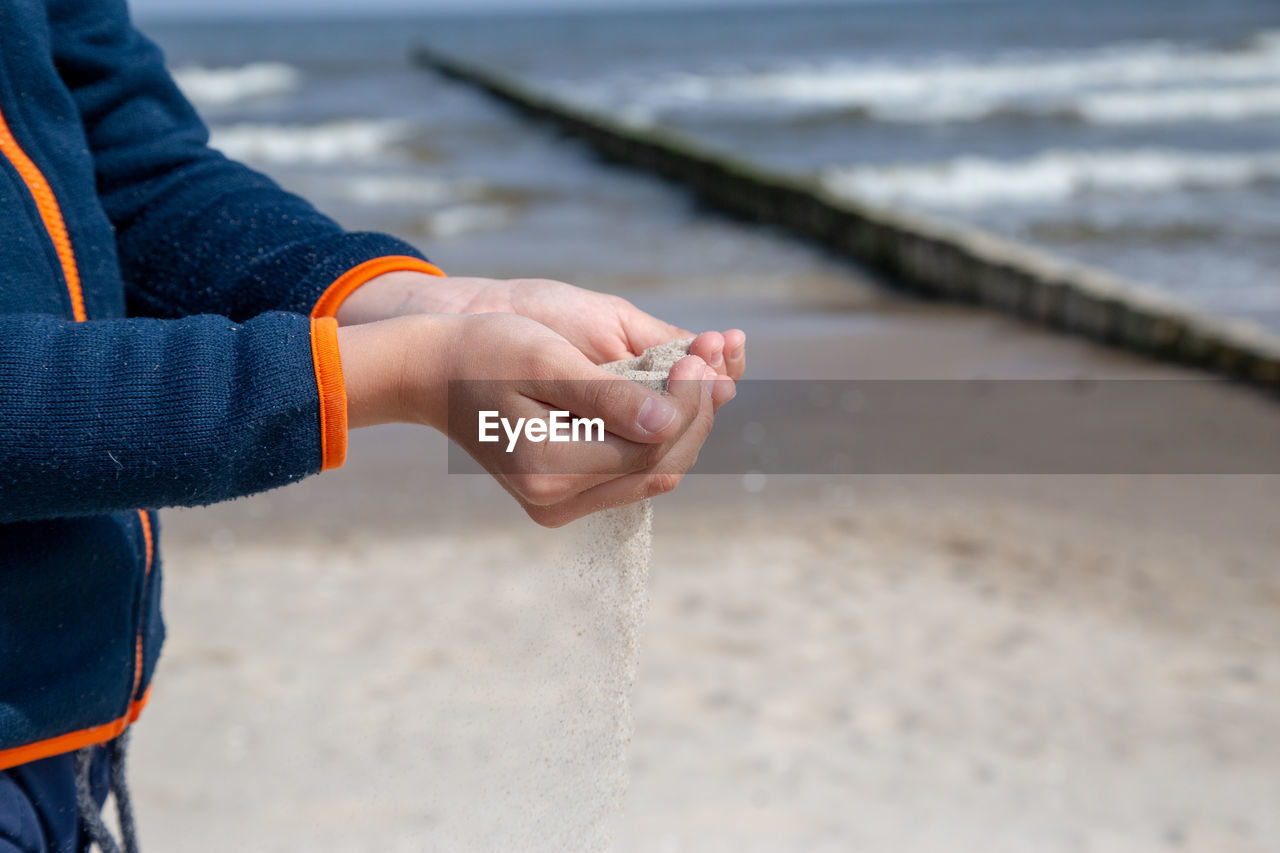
<point x="539" y="722"/>
<point x="616" y="549"/>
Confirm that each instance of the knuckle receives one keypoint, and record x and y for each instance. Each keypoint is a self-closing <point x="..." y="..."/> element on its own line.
<point x="607" y="395"/>
<point x="540" y="490"/>
<point x="706" y="417"/>
<point x="650" y="455"/>
<point x="544" y="517"/>
<point x="661" y="484"/>
<point x="615" y="393"/>
<point x="538" y="515"/>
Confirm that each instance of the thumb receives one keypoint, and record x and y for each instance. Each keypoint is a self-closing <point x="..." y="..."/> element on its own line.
<point x="628" y="409"/>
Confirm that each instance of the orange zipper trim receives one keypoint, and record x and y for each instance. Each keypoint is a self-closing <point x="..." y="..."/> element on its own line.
<point x="137" y="654"/>
<point x="56" y="227"/>
<point x="50" y="214"/>
<point x="72" y="741"/>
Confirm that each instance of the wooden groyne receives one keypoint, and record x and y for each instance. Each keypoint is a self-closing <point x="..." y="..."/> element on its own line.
<point x="939" y="259"/>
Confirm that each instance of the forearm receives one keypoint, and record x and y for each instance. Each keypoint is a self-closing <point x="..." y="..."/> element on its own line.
<point x="112" y="415"/>
<point x="189" y="250"/>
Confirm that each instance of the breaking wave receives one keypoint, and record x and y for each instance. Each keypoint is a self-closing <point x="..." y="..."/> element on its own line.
<point x="220" y="87"/>
<point x="355" y="141"/>
<point x="1121" y="83"/>
<point x="1220" y="104"/>
<point x="1051" y="176"/>
<point x="464" y="219"/>
<point x="413" y="191"/>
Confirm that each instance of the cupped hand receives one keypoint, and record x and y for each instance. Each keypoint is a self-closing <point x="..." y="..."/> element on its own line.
<point x="448" y="368"/>
<point x="602" y="326"/>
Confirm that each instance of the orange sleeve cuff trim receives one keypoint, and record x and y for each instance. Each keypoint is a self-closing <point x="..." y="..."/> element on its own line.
<point x="329" y="301"/>
<point x="333" y="392"/>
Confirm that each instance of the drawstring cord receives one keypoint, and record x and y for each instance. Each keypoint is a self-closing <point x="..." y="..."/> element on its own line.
<point x="87" y="806"/>
<point x="120" y="790"/>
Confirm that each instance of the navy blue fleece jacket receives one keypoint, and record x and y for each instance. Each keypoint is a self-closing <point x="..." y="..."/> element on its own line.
<point x="163" y="342"/>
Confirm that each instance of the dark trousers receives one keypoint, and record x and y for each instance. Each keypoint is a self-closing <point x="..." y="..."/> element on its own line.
<point x="38" y="805"/>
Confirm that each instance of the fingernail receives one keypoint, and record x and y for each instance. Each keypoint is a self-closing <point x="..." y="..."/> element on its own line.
<point x="708" y="380"/>
<point x="656" y="415"/>
<point x="718" y="361"/>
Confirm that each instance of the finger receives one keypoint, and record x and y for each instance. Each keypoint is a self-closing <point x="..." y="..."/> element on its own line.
<point x="644" y="330"/>
<point x="709" y="346"/>
<point x="548" y="473"/>
<point x="735" y="353"/>
<point x="545" y="475"/>
<point x="544" y="455"/>
<point x="617" y="456"/>
<point x="663" y="477"/>
<point x="723" y="389"/>
<point x="689" y="382"/>
<point x="688" y="379"/>
<point x="628" y="409"/>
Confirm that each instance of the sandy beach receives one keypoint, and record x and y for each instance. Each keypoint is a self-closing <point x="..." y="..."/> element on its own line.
<point x="392" y="658"/>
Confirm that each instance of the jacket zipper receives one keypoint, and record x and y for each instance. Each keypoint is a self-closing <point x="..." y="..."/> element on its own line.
<point x="50" y="214"/>
<point x="56" y="227"/>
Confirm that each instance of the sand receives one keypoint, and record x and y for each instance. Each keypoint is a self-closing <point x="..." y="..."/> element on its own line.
<point x="917" y="666"/>
<point x="653" y="365"/>
<point x="613" y="552"/>
<point x="387" y="657"/>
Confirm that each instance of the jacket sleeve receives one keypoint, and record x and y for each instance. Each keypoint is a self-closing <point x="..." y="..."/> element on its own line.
<point x="196" y="232"/>
<point x="109" y="415"/>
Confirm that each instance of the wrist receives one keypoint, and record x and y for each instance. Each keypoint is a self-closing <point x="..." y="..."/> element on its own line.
<point x="396" y="370"/>
<point x="428" y="345"/>
<point x="402" y="292"/>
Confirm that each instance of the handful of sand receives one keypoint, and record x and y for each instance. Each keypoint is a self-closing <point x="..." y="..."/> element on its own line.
<point x="653" y="365"/>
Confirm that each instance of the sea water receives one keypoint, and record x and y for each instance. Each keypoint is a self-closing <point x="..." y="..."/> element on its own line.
<point x="1138" y="135"/>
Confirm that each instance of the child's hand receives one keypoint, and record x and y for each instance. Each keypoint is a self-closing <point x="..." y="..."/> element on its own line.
<point x="402" y="370"/>
<point x="604" y="327"/>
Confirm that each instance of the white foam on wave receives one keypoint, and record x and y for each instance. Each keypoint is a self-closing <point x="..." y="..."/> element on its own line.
<point x="947" y="89"/>
<point x="1051" y="176"/>
<point x="408" y="190"/>
<point x="355" y="141"/>
<point x="463" y="219"/>
<point x="1221" y="104"/>
<point x="219" y="87"/>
